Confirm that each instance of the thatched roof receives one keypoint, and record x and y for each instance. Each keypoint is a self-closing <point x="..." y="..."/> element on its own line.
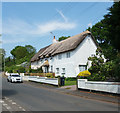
<point x="62" y="46"/>
<point x="36" y="56"/>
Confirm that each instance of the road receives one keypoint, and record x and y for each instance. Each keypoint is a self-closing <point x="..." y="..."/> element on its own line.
<point x="26" y="97"/>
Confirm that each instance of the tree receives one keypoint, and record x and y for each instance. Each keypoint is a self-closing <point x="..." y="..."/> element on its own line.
<point x="63" y="38"/>
<point x="19" y="52"/>
<point x="106" y="33"/>
<point x="112" y="20"/>
<point x="2" y="59"/>
<point x="31" y="50"/>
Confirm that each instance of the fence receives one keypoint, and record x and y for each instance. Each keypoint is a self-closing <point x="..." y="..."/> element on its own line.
<point x="111" y="87"/>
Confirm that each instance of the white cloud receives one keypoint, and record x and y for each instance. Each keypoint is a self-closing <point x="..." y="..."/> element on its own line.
<point x="14" y="27"/>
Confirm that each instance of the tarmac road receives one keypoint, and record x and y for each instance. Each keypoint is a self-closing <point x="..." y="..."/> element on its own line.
<point x="26" y="97"/>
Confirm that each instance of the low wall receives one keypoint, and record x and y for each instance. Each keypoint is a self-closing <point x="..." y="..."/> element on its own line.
<point x="53" y="81"/>
<point x="111" y="87"/>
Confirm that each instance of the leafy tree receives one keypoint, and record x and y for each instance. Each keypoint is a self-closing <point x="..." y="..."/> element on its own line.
<point x="112" y="20"/>
<point x="2" y="58"/>
<point x="106" y="33"/>
<point x="31" y="50"/>
<point x="19" y="52"/>
<point x="63" y="38"/>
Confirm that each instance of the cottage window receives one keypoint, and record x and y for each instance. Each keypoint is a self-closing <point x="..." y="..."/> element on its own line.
<point x="82" y="68"/>
<point x="51" y="68"/>
<point x="68" y="55"/>
<point x="63" y="71"/>
<point x="57" y="70"/>
<point x="59" y="56"/>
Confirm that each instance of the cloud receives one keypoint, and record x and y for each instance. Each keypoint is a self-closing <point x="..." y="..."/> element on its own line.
<point x="15" y="27"/>
<point x="62" y="15"/>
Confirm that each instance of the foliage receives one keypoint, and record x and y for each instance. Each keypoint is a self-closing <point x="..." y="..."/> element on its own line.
<point x="84" y="73"/>
<point x="63" y="38"/>
<point x="2" y="57"/>
<point x="20" y="55"/>
<point x="49" y="75"/>
<point x="112" y="20"/>
<point x="101" y="70"/>
<point x="15" y="69"/>
<point x="106" y="33"/>
<point x="39" y="70"/>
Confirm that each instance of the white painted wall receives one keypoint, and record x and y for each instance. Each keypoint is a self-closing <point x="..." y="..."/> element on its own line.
<point x="79" y="56"/>
<point x="53" y="81"/>
<point x="111" y="87"/>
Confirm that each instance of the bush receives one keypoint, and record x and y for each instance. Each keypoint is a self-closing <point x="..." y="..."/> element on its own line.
<point x="84" y="73"/>
<point x="39" y="70"/>
<point x="15" y="69"/>
<point x="49" y="75"/>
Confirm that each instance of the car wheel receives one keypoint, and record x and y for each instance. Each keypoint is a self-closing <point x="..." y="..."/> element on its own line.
<point x="11" y="81"/>
<point x="7" y="80"/>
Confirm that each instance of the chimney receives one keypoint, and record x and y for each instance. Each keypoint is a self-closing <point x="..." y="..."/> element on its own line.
<point x="54" y="40"/>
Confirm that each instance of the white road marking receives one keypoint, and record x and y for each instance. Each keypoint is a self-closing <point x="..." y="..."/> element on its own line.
<point x="23" y="109"/>
<point x="13" y="103"/>
<point x="1" y="101"/>
<point x="6" y="98"/>
<point x="4" y="104"/>
<point x="10" y="100"/>
<point x="8" y="107"/>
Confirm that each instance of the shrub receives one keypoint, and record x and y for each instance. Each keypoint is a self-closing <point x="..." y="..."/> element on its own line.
<point x="49" y="75"/>
<point x="84" y="73"/>
<point x="39" y="70"/>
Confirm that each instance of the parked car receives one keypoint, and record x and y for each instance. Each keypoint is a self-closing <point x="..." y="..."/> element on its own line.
<point x="14" y="78"/>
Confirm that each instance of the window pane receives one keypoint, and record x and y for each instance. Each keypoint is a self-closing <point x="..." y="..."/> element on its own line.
<point x="82" y="68"/>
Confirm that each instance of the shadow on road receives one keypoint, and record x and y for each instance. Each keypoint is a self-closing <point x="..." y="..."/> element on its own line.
<point x="8" y="92"/>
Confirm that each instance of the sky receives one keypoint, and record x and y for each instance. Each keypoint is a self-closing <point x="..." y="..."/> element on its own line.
<point x="30" y="23"/>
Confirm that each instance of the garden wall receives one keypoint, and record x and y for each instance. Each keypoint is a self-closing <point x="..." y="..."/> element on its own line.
<point x="110" y="87"/>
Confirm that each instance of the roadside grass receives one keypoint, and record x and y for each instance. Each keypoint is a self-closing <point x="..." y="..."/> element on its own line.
<point x="68" y="83"/>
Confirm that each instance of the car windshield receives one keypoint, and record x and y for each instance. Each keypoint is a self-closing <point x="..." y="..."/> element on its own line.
<point x="15" y="75"/>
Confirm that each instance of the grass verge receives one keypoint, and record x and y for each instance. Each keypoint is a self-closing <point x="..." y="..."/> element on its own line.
<point x="68" y="83"/>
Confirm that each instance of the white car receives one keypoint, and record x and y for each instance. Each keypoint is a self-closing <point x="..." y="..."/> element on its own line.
<point x="14" y="78"/>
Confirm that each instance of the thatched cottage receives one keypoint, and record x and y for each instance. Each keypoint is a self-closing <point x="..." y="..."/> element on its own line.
<point x="67" y="57"/>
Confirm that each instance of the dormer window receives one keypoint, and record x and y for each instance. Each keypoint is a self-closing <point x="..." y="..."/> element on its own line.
<point x="68" y="55"/>
<point x="59" y="56"/>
